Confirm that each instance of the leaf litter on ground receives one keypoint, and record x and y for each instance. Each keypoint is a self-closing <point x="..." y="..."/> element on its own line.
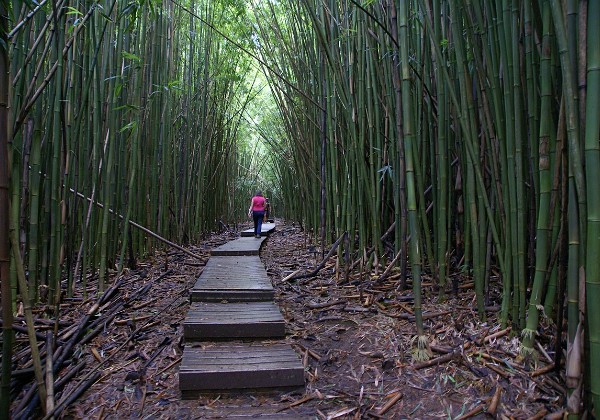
<point x="355" y="339"/>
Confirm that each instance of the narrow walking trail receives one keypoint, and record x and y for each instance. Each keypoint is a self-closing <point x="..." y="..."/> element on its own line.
<point x="233" y="300"/>
<point x="354" y="338"/>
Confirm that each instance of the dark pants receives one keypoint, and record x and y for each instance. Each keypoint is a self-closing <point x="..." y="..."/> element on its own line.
<point x="258" y="219"/>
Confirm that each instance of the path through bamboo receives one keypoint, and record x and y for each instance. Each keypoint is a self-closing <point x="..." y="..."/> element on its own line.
<point x="233" y="329"/>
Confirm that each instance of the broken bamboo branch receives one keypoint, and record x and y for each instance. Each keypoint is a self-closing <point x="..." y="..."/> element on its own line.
<point x="323" y="262"/>
<point x="142" y="228"/>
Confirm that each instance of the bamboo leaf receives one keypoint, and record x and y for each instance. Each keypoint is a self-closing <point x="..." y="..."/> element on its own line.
<point x="130" y="56"/>
<point x="130" y="126"/>
<point x="73" y="11"/>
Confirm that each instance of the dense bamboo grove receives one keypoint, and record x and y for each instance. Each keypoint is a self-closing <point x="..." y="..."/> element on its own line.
<point x="442" y="136"/>
<point x="114" y="115"/>
<point x="119" y="112"/>
<point x="470" y="127"/>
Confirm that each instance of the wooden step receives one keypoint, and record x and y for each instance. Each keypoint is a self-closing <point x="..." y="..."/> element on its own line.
<point x="266" y="230"/>
<point x="265" y="410"/>
<point x="239" y="247"/>
<point x="233" y="279"/>
<point x="206" y="320"/>
<point x="230" y="367"/>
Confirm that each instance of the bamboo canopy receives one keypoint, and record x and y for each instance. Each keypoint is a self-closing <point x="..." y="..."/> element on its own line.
<point x="434" y="137"/>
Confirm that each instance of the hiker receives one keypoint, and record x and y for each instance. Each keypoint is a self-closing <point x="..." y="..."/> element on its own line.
<point x="257" y="212"/>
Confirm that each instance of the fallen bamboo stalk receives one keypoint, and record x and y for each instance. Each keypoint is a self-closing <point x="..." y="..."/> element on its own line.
<point x="543" y="351"/>
<point x="497" y="334"/>
<point x="440" y="349"/>
<point x="406" y="308"/>
<point x="140" y="227"/>
<point x="393" y="400"/>
<point x="438" y="360"/>
<point x="478" y="409"/>
<point x="323" y="262"/>
<point x="144" y="304"/>
<point x="497" y="360"/>
<point x="30" y="401"/>
<point x="168" y="367"/>
<point x="24" y="330"/>
<point x="496" y="369"/>
<point x="302" y="400"/>
<point x="132" y="319"/>
<point x="495" y="400"/>
<point x="161" y="346"/>
<point x="542" y="371"/>
<point x="289" y="276"/>
<point x="390" y="266"/>
<point x="73" y="396"/>
<point x="312" y="305"/>
<point x="312" y="354"/>
<point x="94" y="374"/>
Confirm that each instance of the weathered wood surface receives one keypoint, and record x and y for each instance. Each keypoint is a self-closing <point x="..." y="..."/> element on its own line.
<point x="239" y="247"/>
<point x="232" y="367"/>
<point x="233" y="298"/>
<point x="280" y="411"/>
<point x="233" y="279"/>
<point x="207" y="320"/>
<point x="266" y="230"/>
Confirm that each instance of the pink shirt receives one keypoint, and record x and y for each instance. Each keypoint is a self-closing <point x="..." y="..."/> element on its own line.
<point x="258" y="203"/>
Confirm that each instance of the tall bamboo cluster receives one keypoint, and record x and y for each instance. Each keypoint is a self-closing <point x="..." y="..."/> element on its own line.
<point x="471" y="128"/>
<point x="113" y="115"/>
<point x="7" y="316"/>
<point x="119" y="112"/>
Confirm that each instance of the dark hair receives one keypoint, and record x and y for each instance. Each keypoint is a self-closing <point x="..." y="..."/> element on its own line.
<point x="258" y="192"/>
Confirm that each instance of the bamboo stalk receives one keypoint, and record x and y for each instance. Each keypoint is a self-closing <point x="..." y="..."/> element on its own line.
<point x="140" y="227"/>
<point x="7" y="300"/>
<point x="592" y="161"/>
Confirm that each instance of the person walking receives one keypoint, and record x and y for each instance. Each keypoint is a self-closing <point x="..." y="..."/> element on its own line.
<point x="257" y="212"/>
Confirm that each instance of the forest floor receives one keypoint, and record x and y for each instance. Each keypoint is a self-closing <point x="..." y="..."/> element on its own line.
<point x="356" y="340"/>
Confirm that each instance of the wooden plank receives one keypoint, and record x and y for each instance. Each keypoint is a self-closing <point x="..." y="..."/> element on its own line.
<point x="240" y="366"/>
<point x="263" y="410"/>
<point x="266" y="230"/>
<point x="239" y="247"/>
<point x="233" y="279"/>
<point x="278" y="411"/>
<point x="207" y="320"/>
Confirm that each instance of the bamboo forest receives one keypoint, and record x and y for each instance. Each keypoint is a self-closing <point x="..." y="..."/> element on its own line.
<point x="431" y="167"/>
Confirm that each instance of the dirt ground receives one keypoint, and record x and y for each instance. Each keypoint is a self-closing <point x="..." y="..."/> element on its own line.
<point x="355" y="338"/>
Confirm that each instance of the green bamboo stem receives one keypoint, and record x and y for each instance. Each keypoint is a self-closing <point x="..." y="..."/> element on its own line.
<point x="543" y="238"/>
<point x="7" y="300"/>
<point x="408" y="138"/>
<point x="27" y="308"/>
<point x="592" y="165"/>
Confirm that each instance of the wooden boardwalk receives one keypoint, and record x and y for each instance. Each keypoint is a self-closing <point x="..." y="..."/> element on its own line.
<point x="239" y="247"/>
<point x="234" y="279"/>
<point x="227" y="367"/>
<point x="266" y="230"/>
<point x="233" y="300"/>
<point x="207" y="320"/>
